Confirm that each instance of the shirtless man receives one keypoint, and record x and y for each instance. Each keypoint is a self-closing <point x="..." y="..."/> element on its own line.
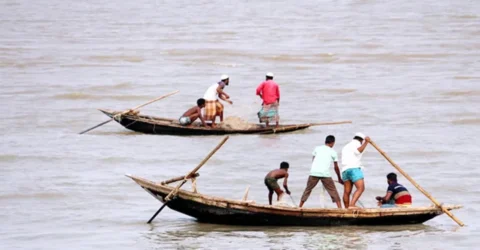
<point x="271" y="181"/>
<point x="193" y="113"/>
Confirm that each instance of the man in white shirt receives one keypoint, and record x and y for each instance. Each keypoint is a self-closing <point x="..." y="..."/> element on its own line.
<point x="213" y="107"/>
<point x="352" y="174"/>
<point x="323" y="157"/>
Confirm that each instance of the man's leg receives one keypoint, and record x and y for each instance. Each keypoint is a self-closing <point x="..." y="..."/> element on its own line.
<point x="347" y="190"/>
<point x="311" y="183"/>
<point x="360" y="186"/>
<point x="329" y="185"/>
<point x="270" y="195"/>
<point x="193" y="117"/>
<point x="279" y="193"/>
<point x="266" y="123"/>
<point x="213" y="122"/>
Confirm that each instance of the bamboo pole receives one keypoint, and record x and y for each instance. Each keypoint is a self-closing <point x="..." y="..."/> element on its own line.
<point x="192" y="172"/>
<point x="329" y="123"/>
<point x="129" y="110"/>
<point x="245" y="195"/>
<point x="416" y="185"/>
<point x="275" y="130"/>
<point x="179" y="179"/>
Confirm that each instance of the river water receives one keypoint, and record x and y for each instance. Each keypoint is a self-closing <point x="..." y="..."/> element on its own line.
<point x="406" y="73"/>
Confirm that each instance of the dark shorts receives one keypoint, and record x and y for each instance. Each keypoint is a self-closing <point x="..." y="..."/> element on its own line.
<point x="271" y="183"/>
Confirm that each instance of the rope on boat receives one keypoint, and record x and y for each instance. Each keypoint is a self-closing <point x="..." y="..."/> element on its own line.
<point x="130" y="124"/>
<point x="194" y="184"/>
<point x="356" y="213"/>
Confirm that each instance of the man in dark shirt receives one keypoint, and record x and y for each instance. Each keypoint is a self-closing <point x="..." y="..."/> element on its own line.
<point x="397" y="195"/>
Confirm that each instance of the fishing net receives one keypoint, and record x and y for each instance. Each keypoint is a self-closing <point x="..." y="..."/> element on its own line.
<point x="237" y="123"/>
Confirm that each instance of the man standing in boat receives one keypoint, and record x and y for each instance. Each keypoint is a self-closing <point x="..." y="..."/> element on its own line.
<point x="352" y="174"/>
<point x="213" y="107"/>
<point x="271" y="181"/>
<point x="397" y="194"/>
<point x="270" y="94"/>
<point x="323" y="157"/>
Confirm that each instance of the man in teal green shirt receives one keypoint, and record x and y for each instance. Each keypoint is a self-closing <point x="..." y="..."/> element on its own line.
<point x="323" y="157"/>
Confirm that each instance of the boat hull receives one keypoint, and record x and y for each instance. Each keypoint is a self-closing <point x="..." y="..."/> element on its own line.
<point x="232" y="216"/>
<point x="233" y="212"/>
<point x="163" y="126"/>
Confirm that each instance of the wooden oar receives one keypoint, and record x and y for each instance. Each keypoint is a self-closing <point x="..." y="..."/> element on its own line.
<point x="416" y="185"/>
<point x="127" y="111"/>
<point x="175" y="190"/>
<point x="329" y="123"/>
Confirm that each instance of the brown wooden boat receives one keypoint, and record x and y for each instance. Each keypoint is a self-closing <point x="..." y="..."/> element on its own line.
<point x="165" y="126"/>
<point x="238" y="212"/>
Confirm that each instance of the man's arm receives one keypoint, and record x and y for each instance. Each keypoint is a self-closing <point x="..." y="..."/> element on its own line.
<point x="285" y="184"/>
<point x="337" y="171"/>
<point x="221" y="92"/>
<point x="278" y="94"/>
<point x="222" y="95"/>
<point x="224" y="98"/>
<point x="386" y="197"/>
<point x="364" y="145"/>
<point x="259" y="90"/>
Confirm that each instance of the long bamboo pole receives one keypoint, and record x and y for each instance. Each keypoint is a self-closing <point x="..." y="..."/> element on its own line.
<point x="130" y="110"/>
<point x="275" y="130"/>
<point x="192" y="172"/>
<point x="329" y="123"/>
<point x="416" y="185"/>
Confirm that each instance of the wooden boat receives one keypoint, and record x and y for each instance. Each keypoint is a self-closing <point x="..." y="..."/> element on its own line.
<point x="165" y="126"/>
<point x="238" y="212"/>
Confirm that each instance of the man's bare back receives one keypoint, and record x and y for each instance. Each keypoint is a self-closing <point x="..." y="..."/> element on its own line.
<point x="192" y="111"/>
<point x="277" y="174"/>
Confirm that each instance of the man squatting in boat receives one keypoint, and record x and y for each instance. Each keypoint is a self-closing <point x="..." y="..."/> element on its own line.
<point x="270" y="94"/>
<point x="397" y="194"/>
<point x="271" y="181"/>
<point x="193" y="113"/>
<point x="213" y="107"/>
<point x="323" y="157"/>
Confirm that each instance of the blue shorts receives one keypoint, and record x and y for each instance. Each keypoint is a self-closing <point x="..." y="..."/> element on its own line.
<point x="388" y="206"/>
<point x="352" y="174"/>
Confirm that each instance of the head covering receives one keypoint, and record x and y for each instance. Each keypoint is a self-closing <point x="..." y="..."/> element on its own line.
<point x="269" y="74"/>
<point x="224" y="77"/>
<point x="361" y="135"/>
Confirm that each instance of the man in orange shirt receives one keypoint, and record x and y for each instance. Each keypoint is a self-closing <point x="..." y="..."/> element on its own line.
<point x="270" y="94"/>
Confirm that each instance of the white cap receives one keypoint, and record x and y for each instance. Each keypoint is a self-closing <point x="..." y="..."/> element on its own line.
<point x="361" y="135"/>
<point x="224" y="77"/>
<point x="270" y="74"/>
